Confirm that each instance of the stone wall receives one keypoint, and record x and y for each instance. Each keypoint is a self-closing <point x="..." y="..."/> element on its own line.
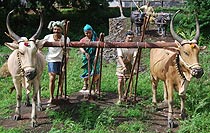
<point x="117" y="29"/>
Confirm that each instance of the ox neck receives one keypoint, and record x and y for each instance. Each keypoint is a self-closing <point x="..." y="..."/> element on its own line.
<point x="178" y="67"/>
<point x="180" y="72"/>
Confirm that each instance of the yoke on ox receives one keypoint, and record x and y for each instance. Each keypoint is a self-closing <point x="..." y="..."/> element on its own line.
<point x="26" y="65"/>
<point x="176" y="67"/>
<point x="138" y="19"/>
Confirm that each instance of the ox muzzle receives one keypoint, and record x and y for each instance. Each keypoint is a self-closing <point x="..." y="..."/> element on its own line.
<point x="138" y="21"/>
<point x="197" y="72"/>
<point x="30" y="74"/>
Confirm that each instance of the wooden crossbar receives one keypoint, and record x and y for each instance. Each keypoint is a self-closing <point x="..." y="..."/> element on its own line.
<point x="78" y="44"/>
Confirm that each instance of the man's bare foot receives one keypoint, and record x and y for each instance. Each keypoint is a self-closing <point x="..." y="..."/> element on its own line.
<point x="63" y="96"/>
<point x="50" y="101"/>
<point x="84" y="87"/>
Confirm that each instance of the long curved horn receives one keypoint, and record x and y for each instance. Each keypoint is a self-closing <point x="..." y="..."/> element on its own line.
<point x="173" y="33"/>
<point x="38" y="32"/>
<point x="12" y="34"/>
<point x="197" y="35"/>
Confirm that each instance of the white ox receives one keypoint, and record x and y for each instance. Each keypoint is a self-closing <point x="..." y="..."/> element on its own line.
<point x="176" y="67"/>
<point x="26" y="64"/>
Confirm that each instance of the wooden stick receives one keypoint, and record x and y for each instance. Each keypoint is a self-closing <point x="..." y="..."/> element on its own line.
<point x="99" y="89"/>
<point x="63" y="62"/>
<point x="95" y="63"/>
<point x="139" y="58"/>
<point x="65" y="68"/>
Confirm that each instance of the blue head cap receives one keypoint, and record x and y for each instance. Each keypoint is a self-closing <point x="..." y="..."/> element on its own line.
<point x="88" y="27"/>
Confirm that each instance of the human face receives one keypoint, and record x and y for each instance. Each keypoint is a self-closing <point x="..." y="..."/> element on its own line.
<point x="129" y="38"/>
<point x="88" y="33"/>
<point x="57" y="30"/>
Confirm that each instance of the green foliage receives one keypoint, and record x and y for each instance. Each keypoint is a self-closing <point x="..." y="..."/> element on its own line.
<point x="21" y="24"/>
<point x="201" y="8"/>
<point x="90" y="4"/>
<point x="197" y="124"/>
<point x="132" y="127"/>
<point x="88" y="113"/>
<point x="16" y="130"/>
<point x="106" y="118"/>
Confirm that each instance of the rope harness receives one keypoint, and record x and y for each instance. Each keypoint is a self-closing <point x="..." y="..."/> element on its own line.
<point x="22" y="72"/>
<point x="178" y="67"/>
<point x="177" y="60"/>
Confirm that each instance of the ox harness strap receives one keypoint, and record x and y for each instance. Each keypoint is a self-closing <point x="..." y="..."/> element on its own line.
<point x="179" y="70"/>
<point x="22" y="72"/>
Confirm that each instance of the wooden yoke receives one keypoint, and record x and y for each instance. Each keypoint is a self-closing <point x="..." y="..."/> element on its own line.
<point x="99" y="44"/>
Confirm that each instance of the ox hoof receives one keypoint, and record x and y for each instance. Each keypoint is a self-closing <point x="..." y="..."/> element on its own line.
<point x="171" y="124"/>
<point x="27" y="104"/>
<point x="184" y="116"/>
<point x="16" y="117"/>
<point x="34" y="124"/>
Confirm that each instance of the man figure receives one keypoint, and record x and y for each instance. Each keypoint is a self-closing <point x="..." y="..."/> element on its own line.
<point x="126" y="57"/>
<point x="148" y="10"/>
<point x="55" y="55"/>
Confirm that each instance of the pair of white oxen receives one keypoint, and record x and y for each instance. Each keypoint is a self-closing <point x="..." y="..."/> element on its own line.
<point x="175" y="66"/>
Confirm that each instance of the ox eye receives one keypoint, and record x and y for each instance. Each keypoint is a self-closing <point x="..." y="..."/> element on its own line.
<point x="186" y="53"/>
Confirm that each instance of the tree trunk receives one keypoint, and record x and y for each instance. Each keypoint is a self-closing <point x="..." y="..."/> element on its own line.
<point x="121" y="11"/>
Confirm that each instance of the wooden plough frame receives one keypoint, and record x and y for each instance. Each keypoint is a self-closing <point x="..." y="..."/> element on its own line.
<point x="101" y="44"/>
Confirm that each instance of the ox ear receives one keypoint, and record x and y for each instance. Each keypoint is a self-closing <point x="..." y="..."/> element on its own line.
<point x="202" y="48"/>
<point x="40" y="43"/>
<point x="12" y="46"/>
<point x="178" y="44"/>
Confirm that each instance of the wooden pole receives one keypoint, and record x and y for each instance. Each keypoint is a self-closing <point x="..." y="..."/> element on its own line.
<point x="94" y="67"/>
<point x="65" y="65"/>
<point x="139" y="57"/>
<point x="101" y="60"/>
<point x="77" y="44"/>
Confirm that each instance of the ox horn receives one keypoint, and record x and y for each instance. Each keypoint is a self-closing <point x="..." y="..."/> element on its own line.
<point x="38" y="32"/>
<point x="12" y="34"/>
<point x="173" y="33"/>
<point x="197" y="35"/>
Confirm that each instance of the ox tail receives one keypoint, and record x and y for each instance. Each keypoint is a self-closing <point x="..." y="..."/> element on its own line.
<point x="4" y="71"/>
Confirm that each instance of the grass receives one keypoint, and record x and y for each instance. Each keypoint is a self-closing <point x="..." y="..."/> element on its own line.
<point x="90" y="118"/>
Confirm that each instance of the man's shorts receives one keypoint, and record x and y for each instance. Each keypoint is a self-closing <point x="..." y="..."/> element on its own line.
<point x="54" y="67"/>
